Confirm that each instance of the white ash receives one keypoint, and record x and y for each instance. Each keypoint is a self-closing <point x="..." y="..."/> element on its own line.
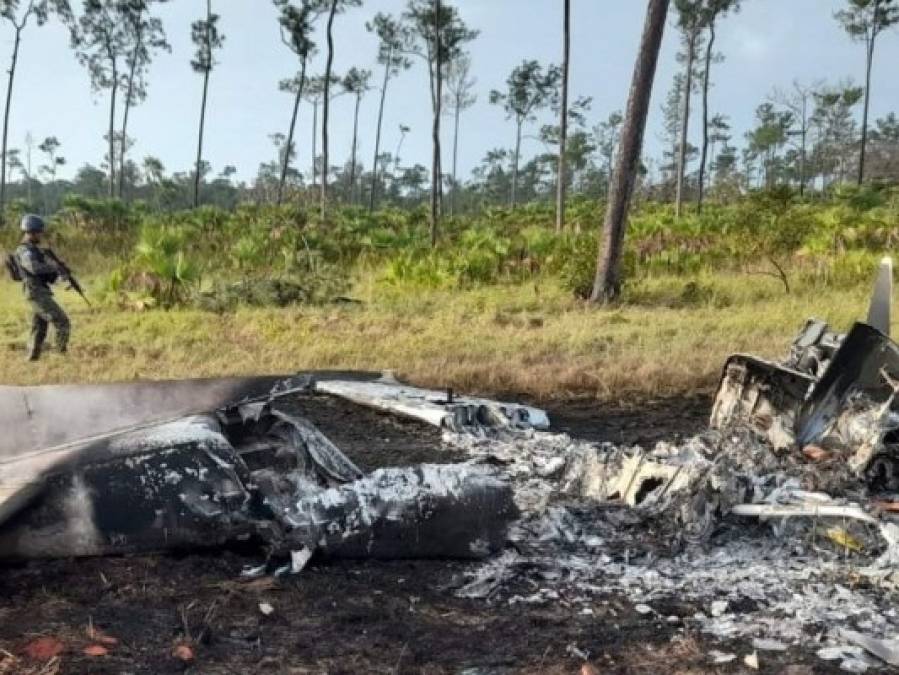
<point x="785" y="585"/>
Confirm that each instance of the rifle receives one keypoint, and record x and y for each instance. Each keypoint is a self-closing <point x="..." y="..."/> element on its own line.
<point x="67" y="275"/>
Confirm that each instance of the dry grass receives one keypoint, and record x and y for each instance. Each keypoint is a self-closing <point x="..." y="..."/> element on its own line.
<point x="514" y="339"/>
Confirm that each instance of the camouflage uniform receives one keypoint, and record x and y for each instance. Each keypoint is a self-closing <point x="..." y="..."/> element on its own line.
<point x="39" y="273"/>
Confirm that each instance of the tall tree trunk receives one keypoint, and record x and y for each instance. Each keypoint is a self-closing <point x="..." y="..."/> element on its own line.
<point x="435" y="135"/>
<point x="705" y="115"/>
<point x="353" y="153"/>
<point x="197" y="175"/>
<point x="607" y="285"/>
<point x="12" y="75"/>
<point x="685" y="125"/>
<point x="563" y="122"/>
<point x="440" y="175"/>
<point x="864" y="145"/>
<point x="326" y="104"/>
<point x="129" y="93"/>
<point x="314" y="141"/>
<point x="514" y="200"/>
<point x="458" y="114"/>
<point x="435" y="178"/>
<point x="375" y="170"/>
<point x="802" y="151"/>
<point x="112" y="98"/>
<point x="203" y="103"/>
<point x="396" y="155"/>
<point x="285" y="165"/>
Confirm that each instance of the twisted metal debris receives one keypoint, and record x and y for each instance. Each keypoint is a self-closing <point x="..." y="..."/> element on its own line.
<point x="785" y="506"/>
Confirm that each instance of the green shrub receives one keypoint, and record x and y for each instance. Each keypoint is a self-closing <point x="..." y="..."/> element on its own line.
<point x="579" y="269"/>
<point x="159" y="256"/>
<point x="226" y="296"/>
<point x="161" y="266"/>
<point x="417" y="268"/>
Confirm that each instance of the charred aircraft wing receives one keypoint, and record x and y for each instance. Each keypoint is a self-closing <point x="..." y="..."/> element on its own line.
<point x="245" y="470"/>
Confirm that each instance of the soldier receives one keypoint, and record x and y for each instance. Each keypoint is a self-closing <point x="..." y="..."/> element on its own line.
<point x="38" y="274"/>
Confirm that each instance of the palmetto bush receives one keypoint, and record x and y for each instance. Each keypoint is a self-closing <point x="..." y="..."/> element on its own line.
<point x="160" y="271"/>
<point x="162" y="255"/>
<point x="163" y="264"/>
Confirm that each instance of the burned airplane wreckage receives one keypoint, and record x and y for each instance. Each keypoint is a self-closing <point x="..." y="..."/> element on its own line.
<point x="812" y="438"/>
<point x="807" y="448"/>
<point x="93" y="470"/>
<point x="797" y="472"/>
<point x="149" y="466"/>
<point x="834" y="393"/>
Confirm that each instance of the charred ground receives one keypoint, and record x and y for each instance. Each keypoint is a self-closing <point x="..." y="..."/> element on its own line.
<point x="358" y="616"/>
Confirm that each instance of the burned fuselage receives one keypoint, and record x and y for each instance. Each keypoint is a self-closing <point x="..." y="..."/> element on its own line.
<point x="832" y="391"/>
<point x="836" y="392"/>
<point x="250" y="471"/>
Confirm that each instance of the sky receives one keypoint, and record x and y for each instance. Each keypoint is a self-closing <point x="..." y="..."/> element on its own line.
<point x="770" y="43"/>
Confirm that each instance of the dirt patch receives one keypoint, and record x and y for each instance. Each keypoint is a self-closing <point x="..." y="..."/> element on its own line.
<point x="373" y="439"/>
<point x="644" y="424"/>
<point x="337" y="618"/>
<point x="352" y="617"/>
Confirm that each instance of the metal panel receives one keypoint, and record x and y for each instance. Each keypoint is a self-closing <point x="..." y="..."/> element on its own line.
<point x="859" y="364"/>
<point x="882" y="298"/>
<point x="35" y="418"/>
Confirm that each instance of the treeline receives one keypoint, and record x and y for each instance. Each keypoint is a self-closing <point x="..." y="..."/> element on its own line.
<point x="217" y="259"/>
<point x="813" y="136"/>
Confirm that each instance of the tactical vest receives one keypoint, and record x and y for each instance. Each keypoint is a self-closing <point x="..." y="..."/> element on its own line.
<point x="34" y="281"/>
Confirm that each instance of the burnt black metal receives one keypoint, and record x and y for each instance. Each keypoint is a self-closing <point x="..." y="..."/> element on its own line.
<point x="248" y="471"/>
<point x="857" y="366"/>
<point x="753" y="391"/>
<point x="457" y="511"/>
<point x="43" y="417"/>
<point x="129" y="494"/>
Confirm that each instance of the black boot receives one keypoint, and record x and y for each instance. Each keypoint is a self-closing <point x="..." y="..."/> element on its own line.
<point x="38" y="336"/>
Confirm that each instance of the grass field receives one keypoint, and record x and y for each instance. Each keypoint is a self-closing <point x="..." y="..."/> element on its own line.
<point x="671" y="337"/>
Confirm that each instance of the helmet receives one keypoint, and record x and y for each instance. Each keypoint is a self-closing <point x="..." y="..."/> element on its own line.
<point x="32" y="223"/>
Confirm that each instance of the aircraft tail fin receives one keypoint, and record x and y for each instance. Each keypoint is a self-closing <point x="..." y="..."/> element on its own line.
<point x="882" y="298"/>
